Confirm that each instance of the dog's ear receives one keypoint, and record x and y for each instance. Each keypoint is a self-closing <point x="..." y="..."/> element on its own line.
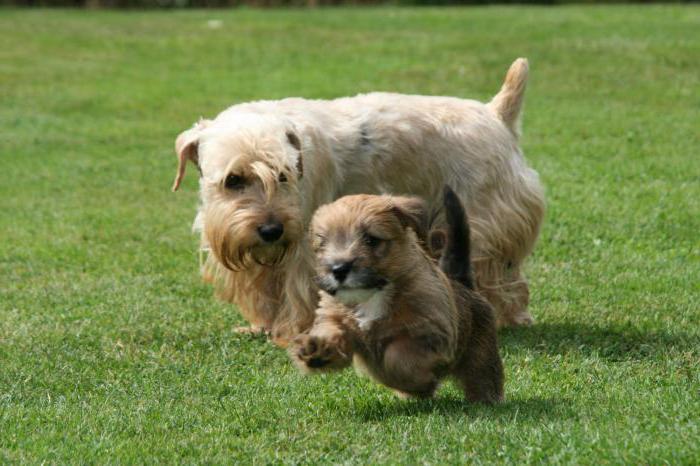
<point x="186" y="146"/>
<point x="294" y="141"/>
<point x="412" y="212"/>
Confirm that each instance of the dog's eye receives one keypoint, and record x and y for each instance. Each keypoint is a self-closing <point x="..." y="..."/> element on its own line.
<point x="320" y="241"/>
<point x="371" y="240"/>
<point x="234" y="182"/>
<point x="283" y="178"/>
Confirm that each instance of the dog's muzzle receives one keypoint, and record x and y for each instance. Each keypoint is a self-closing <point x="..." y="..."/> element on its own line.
<point x="343" y="277"/>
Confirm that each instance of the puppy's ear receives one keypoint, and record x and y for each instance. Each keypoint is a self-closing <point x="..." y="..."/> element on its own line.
<point x="294" y="141"/>
<point x="412" y="212"/>
<point x="186" y="146"/>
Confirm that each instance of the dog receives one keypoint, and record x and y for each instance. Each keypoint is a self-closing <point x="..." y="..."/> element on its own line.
<point x="388" y="308"/>
<point x="266" y="166"/>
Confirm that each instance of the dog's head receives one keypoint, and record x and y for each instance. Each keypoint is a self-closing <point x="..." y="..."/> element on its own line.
<point x="363" y="243"/>
<point x="250" y="167"/>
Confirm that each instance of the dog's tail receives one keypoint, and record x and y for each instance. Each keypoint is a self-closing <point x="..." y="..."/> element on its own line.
<point x="509" y="101"/>
<point x="455" y="261"/>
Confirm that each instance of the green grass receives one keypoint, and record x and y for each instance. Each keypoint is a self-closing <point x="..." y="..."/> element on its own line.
<point x="111" y="350"/>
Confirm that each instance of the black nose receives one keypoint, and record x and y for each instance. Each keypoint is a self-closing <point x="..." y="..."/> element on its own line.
<point x="270" y="232"/>
<point x="341" y="270"/>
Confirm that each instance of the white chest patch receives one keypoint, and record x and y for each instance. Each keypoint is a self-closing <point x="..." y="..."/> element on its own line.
<point x="375" y="308"/>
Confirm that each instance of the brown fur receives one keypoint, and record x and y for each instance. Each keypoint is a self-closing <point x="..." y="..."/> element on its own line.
<point x="425" y="327"/>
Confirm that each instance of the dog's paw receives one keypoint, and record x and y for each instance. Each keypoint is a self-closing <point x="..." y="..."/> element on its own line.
<point x="416" y="395"/>
<point x="523" y="319"/>
<point x="315" y="353"/>
<point x="253" y="330"/>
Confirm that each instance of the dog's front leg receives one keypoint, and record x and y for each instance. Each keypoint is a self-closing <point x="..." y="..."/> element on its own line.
<point x="327" y="346"/>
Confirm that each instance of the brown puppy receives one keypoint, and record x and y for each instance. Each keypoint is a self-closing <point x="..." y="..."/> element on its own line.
<point x="387" y="307"/>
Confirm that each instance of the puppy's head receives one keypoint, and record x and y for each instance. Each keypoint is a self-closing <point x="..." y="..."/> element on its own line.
<point x="363" y="243"/>
<point x="250" y="168"/>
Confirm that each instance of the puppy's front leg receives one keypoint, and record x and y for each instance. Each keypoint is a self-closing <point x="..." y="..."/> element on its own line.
<point x="326" y="346"/>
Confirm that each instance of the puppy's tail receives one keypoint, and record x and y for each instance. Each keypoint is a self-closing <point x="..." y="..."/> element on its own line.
<point x="509" y="101"/>
<point x="455" y="261"/>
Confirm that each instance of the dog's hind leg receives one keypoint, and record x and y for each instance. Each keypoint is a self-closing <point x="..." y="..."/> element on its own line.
<point x="412" y="369"/>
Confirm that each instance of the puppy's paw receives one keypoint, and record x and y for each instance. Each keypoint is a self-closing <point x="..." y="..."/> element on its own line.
<point x="315" y="353"/>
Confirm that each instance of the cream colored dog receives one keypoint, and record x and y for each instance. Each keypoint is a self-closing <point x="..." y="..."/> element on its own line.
<point x="266" y="166"/>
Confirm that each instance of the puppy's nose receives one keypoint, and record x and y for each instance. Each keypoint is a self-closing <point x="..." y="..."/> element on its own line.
<point x="341" y="270"/>
<point x="270" y="232"/>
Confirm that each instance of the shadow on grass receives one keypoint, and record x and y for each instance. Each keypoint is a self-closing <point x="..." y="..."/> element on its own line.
<point x="534" y="409"/>
<point x="616" y="343"/>
<point x="613" y="343"/>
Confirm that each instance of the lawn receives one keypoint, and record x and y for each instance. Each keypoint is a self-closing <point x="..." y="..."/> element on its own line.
<point x="112" y="350"/>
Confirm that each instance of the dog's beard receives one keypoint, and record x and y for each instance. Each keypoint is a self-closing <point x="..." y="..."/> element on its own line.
<point x="269" y="255"/>
<point x="259" y="255"/>
<point x="243" y="257"/>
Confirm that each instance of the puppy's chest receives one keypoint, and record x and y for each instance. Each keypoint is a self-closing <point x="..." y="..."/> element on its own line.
<point x="372" y="310"/>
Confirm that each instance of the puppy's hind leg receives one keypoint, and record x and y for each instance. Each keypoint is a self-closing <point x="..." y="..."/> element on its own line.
<point x="412" y="369"/>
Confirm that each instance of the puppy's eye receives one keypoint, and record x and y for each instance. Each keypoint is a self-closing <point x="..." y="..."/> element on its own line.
<point x="282" y="178"/>
<point x="371" y="240"/>
<point x="320" y="241"/>
<point x="234" y="182"/>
